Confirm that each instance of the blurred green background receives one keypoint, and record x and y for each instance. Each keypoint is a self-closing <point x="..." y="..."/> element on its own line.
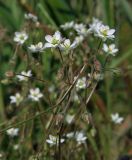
<point x="116" y="93"/>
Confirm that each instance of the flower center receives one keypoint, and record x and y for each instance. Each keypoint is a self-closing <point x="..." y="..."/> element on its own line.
<point x="55" y="41"/>
<point x="22" y="37"/>
<point x="110" y="49"/>
<point x="104" y="32"/>
<point x="35" y="94"/>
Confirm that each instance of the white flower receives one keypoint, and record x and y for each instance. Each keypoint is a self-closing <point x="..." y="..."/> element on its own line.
<point x="94" y="24"/>
<point x="30" y="16"/>
<point x="67" y="25"/>
<point x="104" y="32"/>
<point x="116" y="119"/>
<point x="53" y="41"/>
<point x="16" y="147"/>
<point x="20" y="37"/>
<point x="24" y="75"/>
<point x="80" y="138"/>
<point x="81" y="29"/>
<point x="67" y="46"/>
<point x="70" y="135"/>
<point x="35" y="94"/>
<point x="100" y="30"/>
<point x="69" y="118"/>
<point x="79" y="26"/>
<point x="78" y="40"/>
<point x="37" y="47"/>
<point x="54" y="140"/>
<point x="12" y="132"/>
<point x="110" y="49"/>
<point x="17" y="98"/>
<point x="81" y="83"/>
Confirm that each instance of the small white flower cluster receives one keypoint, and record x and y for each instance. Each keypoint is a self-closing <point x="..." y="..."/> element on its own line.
<point x="81" y="83"/>
<point x="34" y="95"/>
<point x="21" y="37"/>
<point x="98" y="29"/>
<point x="104" y="32"/>
<point x="36" y="47"/>
<point x="57" y="41"/>
<point x="30" y="16"/>
<point x="52" y="42"/>
<point x="24" y="76"/>
<point x="79" y="136"/>
<point x="116" y="118"/>
<point x="12" y="132"/>
<point x="81" y="29"/>
<point x="54" y="140"/>
<point x="68" y="25"/>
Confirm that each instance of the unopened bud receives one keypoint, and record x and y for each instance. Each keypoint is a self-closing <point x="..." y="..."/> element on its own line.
<point x="93" y="132"/>
<point x="9" y="74"/>
<point x="58" y="118"/>
<point x="97" y="65"/>
<point x="60" y="74"/>
<point x="85" y="117"/>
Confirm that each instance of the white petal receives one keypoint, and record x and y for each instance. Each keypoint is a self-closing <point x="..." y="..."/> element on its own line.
<point x="40" y="44"/>
<point x="37" y="90"/>
<point x="48" y="45"/>
<point x="112" y="46"/>
<point x="111" y="31"/>
<point x="49" y="141"/>
<point x="17" y="33"/>
<point x="29" y="73"/>
<point x="74" y="45"/>
<point x="115" y="50"/>
<point x="40" y="95"/>
<point x="32" y="91"/>
<point x="57" y="35"/>
<point x="67" y="42"/>
<point x="48" y="38"/>
<point x="16" y="39"/>
<point x="105" y="47"/>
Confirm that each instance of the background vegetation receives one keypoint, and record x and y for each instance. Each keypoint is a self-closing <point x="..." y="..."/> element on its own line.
<point x="113" y="94"/>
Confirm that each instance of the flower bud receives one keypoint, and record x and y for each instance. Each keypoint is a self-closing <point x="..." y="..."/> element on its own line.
<point x="58" y="118"/>
<point x="9" y="74"/>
